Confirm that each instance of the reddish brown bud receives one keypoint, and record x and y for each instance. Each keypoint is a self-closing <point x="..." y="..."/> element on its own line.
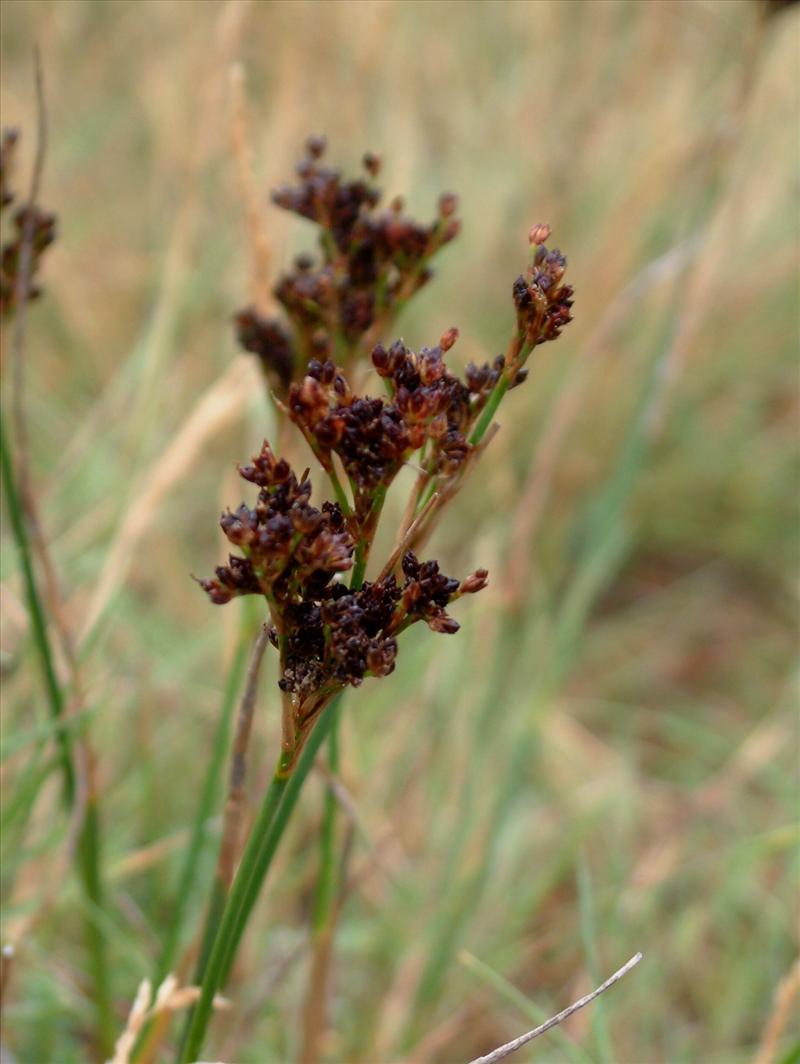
<point x="476" y="582"/>
<point x="448" y="339"/>
<point x="539" y="233"/>
<point x="372" y="163"/>
<point x="448" y="204"/>
<point x="316" y="145"/>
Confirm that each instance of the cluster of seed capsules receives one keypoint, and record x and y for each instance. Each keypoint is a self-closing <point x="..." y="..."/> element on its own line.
<point x="332" y="631"/>
<point x="294" y="554"/>
<point x="31" y="224"/>
<point x="371" y="263"/>
<point x="429" y="410"/>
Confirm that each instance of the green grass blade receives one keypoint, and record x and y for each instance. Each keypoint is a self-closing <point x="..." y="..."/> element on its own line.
<point x="89" y="858"/>
<point x="598" y="1019"/>
<point x="38" y="624"/>
<point x="208" y="797"/>
<point x="267" y="831"/>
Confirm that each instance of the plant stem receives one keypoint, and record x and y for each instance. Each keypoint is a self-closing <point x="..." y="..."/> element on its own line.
<point x="338" y="491"/>
<point x="326" y="884"/>
<point x="234" y="803"/>
<point x="38" y="623"/>
<point x="481" y="428"/>
<point x="364" y="543"/>
<point x="276" y="809"/>
<point x="323" y="914"/>
<point x="204" y="809"/>
<point x="221" y="905"/>
<point x="89" y="862"/>
<point x="488" y="412"/>
<point x="229" y="843"/>
<point x="323" y="917"/>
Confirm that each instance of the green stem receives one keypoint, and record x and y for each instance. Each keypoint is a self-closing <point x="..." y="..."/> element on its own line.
<point x="322" y="916"/>
<point x="89" y="861"/>
<point x="206" y="805"/>
<point x="359" y="565"/>
<point x="38" y="624"/>
<point x="488" y="412"/>
<point x="267" y="831"/>
<point x="326" y="884"/>
<point x="338" y="490"/>
<point x="222" y="900"/>
<point x="480" y="430"/>
<point x="364" y="543"/>
<point x="88" y="846"/>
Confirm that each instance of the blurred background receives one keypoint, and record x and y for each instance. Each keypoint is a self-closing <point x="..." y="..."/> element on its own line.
<point x="604" y="759"/>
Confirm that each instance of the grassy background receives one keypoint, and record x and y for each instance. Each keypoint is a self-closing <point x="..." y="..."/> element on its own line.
<point x="603" y="759"/>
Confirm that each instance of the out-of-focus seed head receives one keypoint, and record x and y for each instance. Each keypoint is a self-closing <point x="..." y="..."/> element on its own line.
<point x="32" y="224"/>
<point x="372" y="163"/>
<point x="448" y="204"/>
<point x="8" y="144"/>
<point x="269" y="340"/>
<point x="372" y="261"/>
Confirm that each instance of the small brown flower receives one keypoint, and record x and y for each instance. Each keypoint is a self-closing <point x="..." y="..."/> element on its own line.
<point x="30" y="223"/>
<point x="543" y="303"/>
<point x="269" y="339"/>
<point x="289" y="545"/>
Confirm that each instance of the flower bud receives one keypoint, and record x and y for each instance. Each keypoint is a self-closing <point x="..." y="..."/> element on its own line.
<point x="448" y="339"/>
<point x="476" y="582"/>
<point x="539" y="233"/>
<point x="372" y="163"/>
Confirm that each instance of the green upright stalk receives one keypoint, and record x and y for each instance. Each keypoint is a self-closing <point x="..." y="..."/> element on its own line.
<point x="488" y="412"/>
<point x="204" y="810"/>
<point x="276" y="809"/>
<point x="90" y="865"/>
<point x="88" y="844"/>
<point x="326" y="884"/>
<point x="38" y="624"/>
<point x="222" y="899"/>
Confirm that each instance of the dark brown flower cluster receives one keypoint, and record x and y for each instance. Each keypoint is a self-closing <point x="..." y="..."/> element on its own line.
<point x="543" y="302"/>
<point x="291" y="549"/>
<point x="331" y="632"/>
<point x="348" y="635"/>
<point x="439" y="408"/>
<point x="430" y="409"/>
<point x="371" y="263"/>
<point x="30" y="223"/>
<point x="329" y="635"/>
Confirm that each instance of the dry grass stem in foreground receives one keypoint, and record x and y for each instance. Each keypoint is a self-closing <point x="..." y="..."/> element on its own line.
<point x="511" y="1047"/>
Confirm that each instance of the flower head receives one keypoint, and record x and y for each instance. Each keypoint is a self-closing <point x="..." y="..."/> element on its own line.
<point x="372" y="261"/>
<point x="31" y="224"/>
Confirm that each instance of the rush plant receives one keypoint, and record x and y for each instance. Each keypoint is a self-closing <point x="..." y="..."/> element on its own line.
<point x="331" y="627"/>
